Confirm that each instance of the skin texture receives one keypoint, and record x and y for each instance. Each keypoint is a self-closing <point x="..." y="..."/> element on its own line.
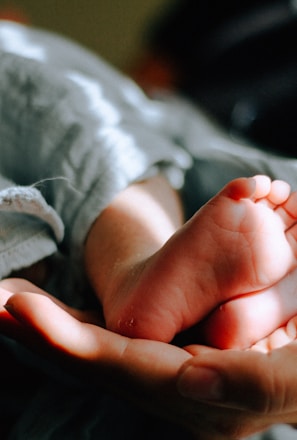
<point x="214" y="394"/>
<point x="158" y="278"/>
<point x="257" y="388"/>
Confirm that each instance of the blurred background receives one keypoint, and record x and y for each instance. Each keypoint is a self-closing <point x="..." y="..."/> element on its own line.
<point x="113" y="28"/>
<point x="236" y="59"/>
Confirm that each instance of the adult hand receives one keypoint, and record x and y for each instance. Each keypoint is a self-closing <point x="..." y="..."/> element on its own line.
<point x="260" y="383"/>
<point x="141" y="370"/>
<point x="147" y="371"/>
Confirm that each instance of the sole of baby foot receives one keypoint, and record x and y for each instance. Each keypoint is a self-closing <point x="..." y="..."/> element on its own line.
<point x="182" y="282"/>
<point x="243" y="321"/>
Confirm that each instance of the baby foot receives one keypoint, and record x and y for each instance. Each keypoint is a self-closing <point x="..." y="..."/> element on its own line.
<point x="278" y="338"/>
<point x="245" y="320"/>
<point x="242" y="241"/>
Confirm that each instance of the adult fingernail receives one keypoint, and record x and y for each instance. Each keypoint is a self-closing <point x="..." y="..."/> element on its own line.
<point x="201" y="383"/>
<point x="10" y="309"/>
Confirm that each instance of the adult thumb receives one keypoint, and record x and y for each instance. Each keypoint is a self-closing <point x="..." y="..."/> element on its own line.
<point x="265" y="383"/>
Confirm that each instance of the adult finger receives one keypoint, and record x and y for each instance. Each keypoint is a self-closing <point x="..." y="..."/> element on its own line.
<point x="65" y="336"/>
<point x="8" y="324"/>
<point x="264" y="383"/>
<point x="10" y="286"/>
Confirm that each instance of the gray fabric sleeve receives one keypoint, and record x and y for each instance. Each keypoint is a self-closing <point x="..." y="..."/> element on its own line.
<point x="77" y="140"/>
<point x="29" y="228"/>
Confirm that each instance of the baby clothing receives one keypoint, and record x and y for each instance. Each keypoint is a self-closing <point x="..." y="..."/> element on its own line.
<point x="74" y="133"/>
